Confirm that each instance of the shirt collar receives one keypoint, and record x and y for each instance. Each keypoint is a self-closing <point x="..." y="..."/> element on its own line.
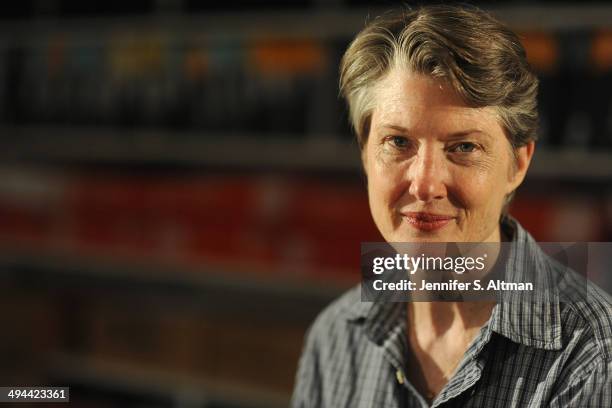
<point x="536" y="322"/>
<point x="533" y="324"/>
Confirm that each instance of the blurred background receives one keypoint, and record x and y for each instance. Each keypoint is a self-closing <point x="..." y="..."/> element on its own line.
<point x="180" y="193"/>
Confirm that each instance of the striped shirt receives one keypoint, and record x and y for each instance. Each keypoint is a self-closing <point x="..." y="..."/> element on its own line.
<point x="548" y="354"/>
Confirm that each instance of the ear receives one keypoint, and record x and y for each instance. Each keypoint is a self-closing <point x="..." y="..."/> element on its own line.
<point x="364" y="160"/>
<point x="522" y="161"/>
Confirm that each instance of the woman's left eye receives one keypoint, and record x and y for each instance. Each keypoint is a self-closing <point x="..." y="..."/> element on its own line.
<point x="464" y="147"/>
<point x="399" y="142"/>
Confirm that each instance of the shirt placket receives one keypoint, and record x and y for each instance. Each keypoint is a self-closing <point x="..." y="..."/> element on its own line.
<point x="463" y="381"/>
<point x="394" y="351"/>
<point x="470" y="369"/>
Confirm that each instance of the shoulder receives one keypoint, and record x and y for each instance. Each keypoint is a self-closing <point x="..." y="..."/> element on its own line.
<point x="335" y="328"/>
<point x="587" y="337"/>
<point x="590" y="319"/>
<point x="329" y="351"/>
<point x="346" y="308"/>
<point x="586" y="310"/>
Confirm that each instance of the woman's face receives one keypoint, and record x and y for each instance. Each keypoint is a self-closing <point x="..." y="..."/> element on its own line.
<point x="437" y="169"/>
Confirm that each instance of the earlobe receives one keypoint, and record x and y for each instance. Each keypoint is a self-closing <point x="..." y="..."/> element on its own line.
<point x="523" y="159"/>
<point x="364" y="162"/>
<point x="525" y="155"/>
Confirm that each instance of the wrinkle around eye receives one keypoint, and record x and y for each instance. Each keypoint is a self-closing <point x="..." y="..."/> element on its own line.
<point x="475" y="148"/>
<point x="472" y="146"/>
<point x="397" y="143"/>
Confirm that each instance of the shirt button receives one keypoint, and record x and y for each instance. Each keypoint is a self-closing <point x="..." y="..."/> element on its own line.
<point x="400" y="376"/>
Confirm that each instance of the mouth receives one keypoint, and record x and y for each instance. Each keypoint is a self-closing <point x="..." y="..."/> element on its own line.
<point x="426" y="221"/>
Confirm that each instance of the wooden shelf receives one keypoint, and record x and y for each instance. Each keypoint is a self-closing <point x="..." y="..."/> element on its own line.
<point x="91" y="145"/>
<point x="318" y="22"/>
<point x="128" y="378"/>
<point x="278" y="296"/>
<point x="323" y="153"/>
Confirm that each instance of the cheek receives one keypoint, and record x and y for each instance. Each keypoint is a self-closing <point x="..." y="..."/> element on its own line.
<point x="386" y="184"/>
<point x="384" y="189"/>
<point x="481" y="190"/>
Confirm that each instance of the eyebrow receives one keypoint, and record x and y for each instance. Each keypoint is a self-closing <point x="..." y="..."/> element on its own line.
<point x="395" y="127"/>
<point x="454" y="135"/>
<point x="464" y="133"/>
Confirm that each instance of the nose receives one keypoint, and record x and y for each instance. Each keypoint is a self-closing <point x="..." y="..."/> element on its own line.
<point x="427" y="174"/>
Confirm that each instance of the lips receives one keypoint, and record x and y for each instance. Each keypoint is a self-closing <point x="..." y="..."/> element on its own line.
<point x="426" y="221"/>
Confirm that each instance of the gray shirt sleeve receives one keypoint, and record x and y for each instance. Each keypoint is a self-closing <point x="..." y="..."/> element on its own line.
<point x="307" y="389"/>
<point x="591" y="390"/>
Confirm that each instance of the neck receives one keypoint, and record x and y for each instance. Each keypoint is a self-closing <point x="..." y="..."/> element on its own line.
<point x="436" y="319"/>
<point x="440" y="318"/>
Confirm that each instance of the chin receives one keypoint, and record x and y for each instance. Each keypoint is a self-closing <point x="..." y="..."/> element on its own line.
<point x="424" y="236"/>
<point x="409" y="233"/>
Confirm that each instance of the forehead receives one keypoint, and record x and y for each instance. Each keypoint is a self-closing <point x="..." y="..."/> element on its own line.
<point x="416" y="101"/>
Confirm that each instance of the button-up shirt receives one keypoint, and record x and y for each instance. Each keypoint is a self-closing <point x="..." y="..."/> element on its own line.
<point x="543" y="354"/>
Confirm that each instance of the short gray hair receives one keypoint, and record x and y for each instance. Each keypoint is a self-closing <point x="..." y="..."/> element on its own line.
<point x="481" y="58"/>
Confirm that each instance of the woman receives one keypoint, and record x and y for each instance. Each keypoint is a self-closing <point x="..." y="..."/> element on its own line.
<point x="443" y="103"/>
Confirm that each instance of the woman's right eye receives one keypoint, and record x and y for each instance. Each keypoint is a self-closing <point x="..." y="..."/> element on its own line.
<point x="399" y="142"/>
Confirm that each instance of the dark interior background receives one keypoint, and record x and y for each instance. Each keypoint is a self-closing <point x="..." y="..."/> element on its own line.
<point x="180" y="192"/>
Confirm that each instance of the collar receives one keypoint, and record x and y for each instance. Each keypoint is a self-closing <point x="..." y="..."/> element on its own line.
<point x="533" y="324"/>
